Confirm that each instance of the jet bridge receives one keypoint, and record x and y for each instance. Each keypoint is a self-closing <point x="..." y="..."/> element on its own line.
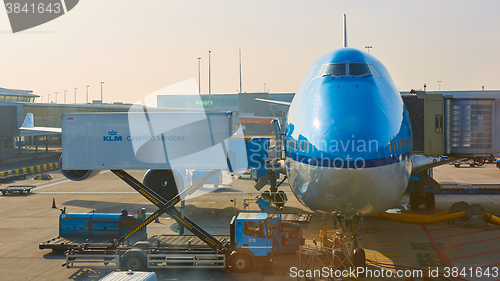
<point x="453" y="123"/>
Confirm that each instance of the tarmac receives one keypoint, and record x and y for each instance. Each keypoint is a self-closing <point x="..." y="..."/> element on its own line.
<point x="30" y="219"/>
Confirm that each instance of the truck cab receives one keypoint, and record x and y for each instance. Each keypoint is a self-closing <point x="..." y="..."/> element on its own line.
<point x="251" y="242"/>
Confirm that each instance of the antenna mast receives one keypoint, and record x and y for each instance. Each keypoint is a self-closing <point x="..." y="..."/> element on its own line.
<point x="240" y="70"/>
<point x="345" y="33"/>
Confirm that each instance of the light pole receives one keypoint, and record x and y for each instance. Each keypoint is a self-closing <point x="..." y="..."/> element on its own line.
<point x="87" y="93"/>
<point x="439" y="83"/>
<point x="65" y="96"/>
<point x="56" y="96"/>
<point x="75" y="95"/>
<point x="264" y="87"/>
<point x="48" y="98"/>
<point x="101" y="90"/>
<point x="368" y="48"/>
<point x="209" y="81"/>
<point x="199" y="76"/>
<point x="240" y="70"/>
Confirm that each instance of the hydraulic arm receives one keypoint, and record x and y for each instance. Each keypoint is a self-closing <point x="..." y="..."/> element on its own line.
<point x="167" y="206"/>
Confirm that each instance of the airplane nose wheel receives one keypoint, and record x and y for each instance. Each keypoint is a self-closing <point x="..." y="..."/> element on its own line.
<point x="359" y="258"/>
<point x="347" y="241"/>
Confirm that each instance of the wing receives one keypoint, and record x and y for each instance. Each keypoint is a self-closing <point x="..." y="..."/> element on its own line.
<point x="422" y="163"/>
<point x="42" y="129"/>
<point x="28" y="128"/>
<point x="285" y="103"/>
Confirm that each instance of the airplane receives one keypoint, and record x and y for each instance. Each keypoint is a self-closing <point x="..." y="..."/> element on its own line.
<point x="348" y="143"/>
<point x="28" y="128"/>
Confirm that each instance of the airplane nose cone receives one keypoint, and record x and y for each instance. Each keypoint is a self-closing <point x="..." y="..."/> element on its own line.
<point x="350" y="143"/>
<point x="350" y="149"/>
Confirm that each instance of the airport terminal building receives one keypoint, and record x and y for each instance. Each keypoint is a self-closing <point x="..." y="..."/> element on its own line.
<point x="482" y="107"/>
<point x="15" y="104"/>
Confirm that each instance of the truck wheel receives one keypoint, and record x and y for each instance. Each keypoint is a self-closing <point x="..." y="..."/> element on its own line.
<point x="241" y="263"/>
<point x="133" y="263"/>
<point x="457" y="165"/>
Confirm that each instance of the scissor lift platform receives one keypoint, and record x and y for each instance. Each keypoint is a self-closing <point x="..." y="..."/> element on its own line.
<point x="294" y="217"/>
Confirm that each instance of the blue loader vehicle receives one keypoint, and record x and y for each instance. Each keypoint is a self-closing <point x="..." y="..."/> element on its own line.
<point x="77" y="228"/>
<point x="249" y="245"/>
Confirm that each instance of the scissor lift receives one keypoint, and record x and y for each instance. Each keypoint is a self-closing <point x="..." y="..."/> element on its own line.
<point x="119" y="254"/>
<point x="249" y="245"/>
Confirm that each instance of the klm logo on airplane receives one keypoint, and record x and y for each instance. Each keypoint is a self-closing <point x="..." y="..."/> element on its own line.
<point x="112" y="136"/>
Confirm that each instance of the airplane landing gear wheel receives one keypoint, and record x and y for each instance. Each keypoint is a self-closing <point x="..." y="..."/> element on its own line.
<point x="414" y="200"/>
<point x="430" y="201"/>
<point x="162" y="182"/>
<point x="359" y="258"/>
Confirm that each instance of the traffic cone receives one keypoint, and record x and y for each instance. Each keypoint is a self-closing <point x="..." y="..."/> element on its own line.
<point x="157" y="220"/>
<point x="54" y="203"/>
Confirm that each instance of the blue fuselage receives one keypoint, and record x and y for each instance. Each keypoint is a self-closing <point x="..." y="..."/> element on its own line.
<point x="348" y="136"/>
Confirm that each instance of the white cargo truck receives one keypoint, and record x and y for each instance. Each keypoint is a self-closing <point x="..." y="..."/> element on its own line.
<point x="174" y="147"/>
<point x="134" y="140"/>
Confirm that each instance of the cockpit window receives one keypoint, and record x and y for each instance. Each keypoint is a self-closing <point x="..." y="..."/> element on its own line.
<point x="358" y="69"/>
<point x="373" y="70"/>
<point x="335" y="69"/>
<point x="342" y="69"/>
<point x="332" y="69"/>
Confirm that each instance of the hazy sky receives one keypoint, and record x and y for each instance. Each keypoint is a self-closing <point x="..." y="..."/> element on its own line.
<point x="137" y="47"/>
